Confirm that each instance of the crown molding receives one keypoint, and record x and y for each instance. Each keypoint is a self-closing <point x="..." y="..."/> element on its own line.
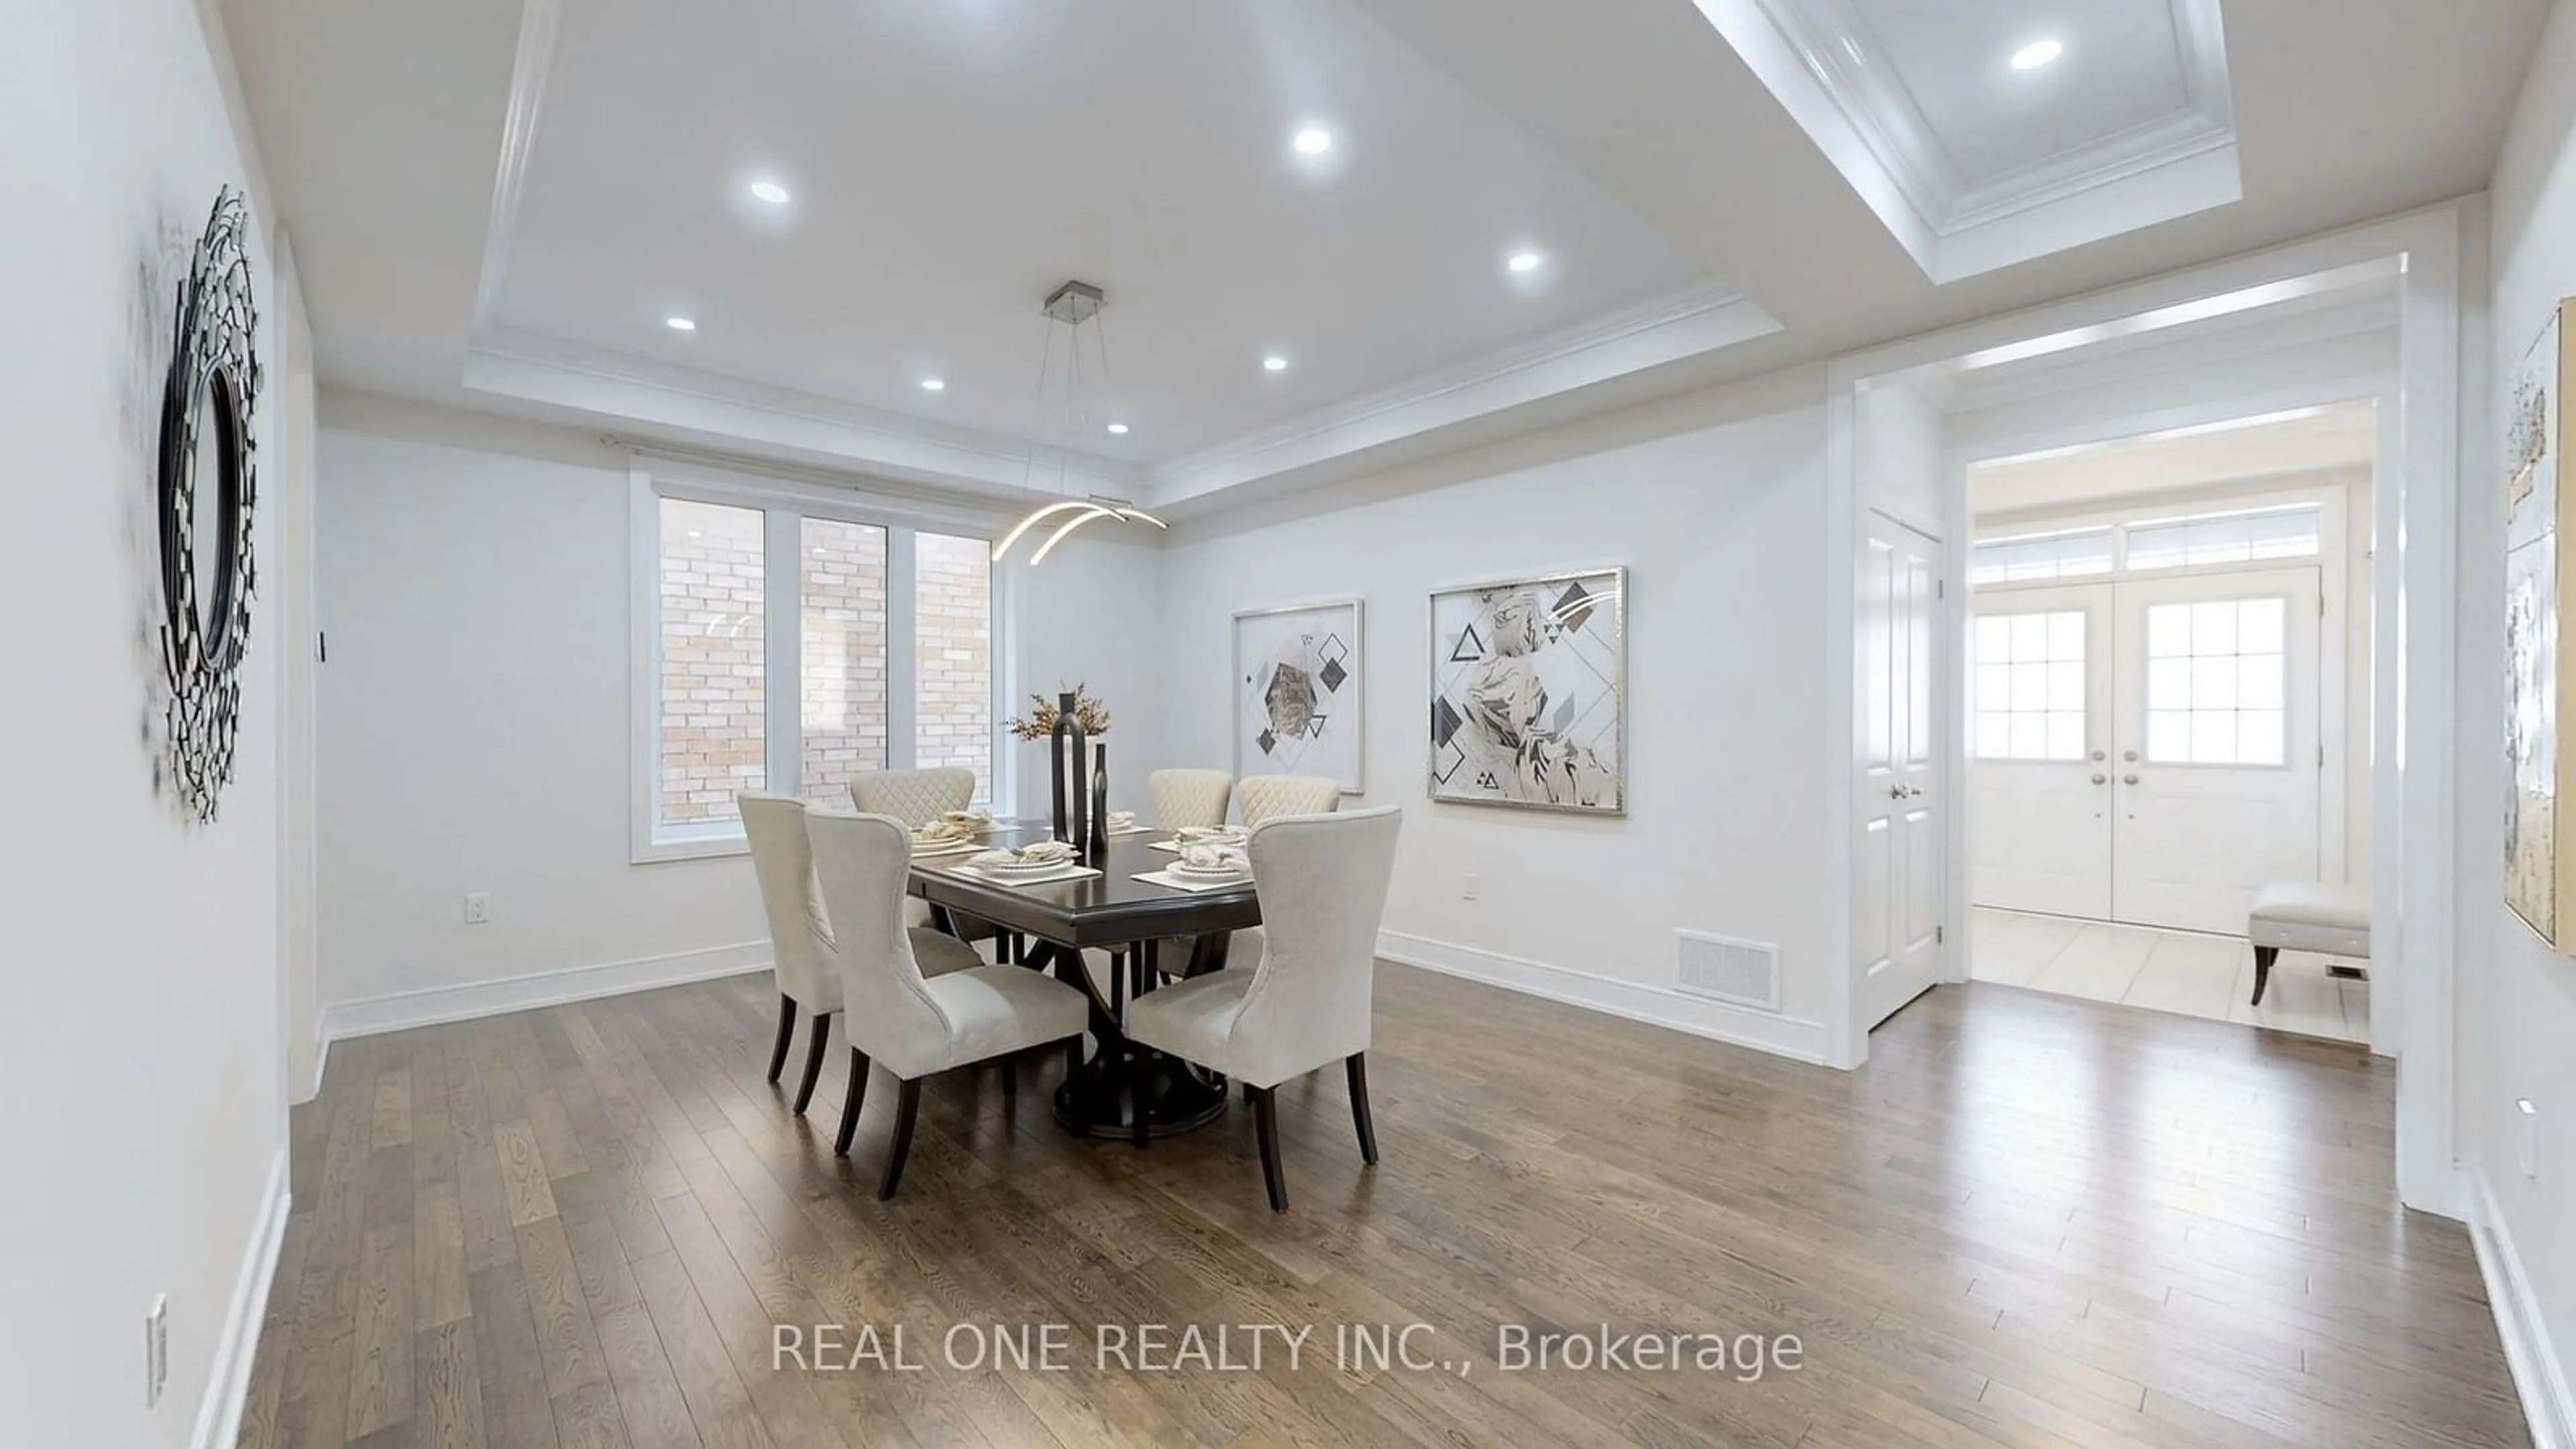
<point x="534" y="61"/>
<point x="1821" y="61"/>
<point x="1666" y="328"/>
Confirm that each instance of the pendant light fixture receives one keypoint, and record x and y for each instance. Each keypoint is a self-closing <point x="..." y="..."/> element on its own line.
<point x="1070" y="306"/>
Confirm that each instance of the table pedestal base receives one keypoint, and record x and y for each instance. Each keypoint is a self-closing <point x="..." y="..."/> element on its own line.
<point x="1098" y="1100"/>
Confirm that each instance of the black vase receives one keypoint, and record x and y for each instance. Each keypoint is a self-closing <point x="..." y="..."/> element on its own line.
<point x="1099" y="836"/>
<point x="1067" y="755"/>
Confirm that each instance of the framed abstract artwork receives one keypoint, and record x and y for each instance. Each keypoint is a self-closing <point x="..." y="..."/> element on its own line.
<point x="1299" y="692"/>
<point x="1529" y="693"/>
<point x="2539" y="872"/>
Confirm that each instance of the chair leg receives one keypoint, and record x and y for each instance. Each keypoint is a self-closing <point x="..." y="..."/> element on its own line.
<point x="906" y="1107"/>
<point x="2264" y="956"/>
<point x="850" y="1104"/>
<point x="1011" y="1075"/>
<point x="1140" y="1092"/>
<point x="1072" y="1055"/>
<point x="1356" y="1067"/>
<point x="1265" y="1124"/>
<point x="813" y="1062"/>
<point x="786" y="1034"/>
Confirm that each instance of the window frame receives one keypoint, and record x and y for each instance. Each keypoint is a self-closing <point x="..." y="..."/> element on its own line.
<point x="784" y="504"/>
<point x="2148" y="511"/>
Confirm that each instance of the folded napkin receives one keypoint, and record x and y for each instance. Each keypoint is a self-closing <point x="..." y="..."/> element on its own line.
<point x="1212" y="834"/>
<point x="1212" y="856"/>
<point x="942" y="832"/>
<point x="1122" y="819"/>
<point x="1045" y="852"/>
<point x="971" y="819"/>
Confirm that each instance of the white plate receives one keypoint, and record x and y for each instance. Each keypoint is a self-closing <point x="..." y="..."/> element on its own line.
<point x="1192" y="872"/>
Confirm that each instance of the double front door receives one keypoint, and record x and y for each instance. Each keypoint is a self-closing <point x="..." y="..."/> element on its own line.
<point x="2146" y="751"/>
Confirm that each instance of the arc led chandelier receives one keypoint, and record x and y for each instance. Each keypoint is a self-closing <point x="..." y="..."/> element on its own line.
<point x="1070" y="306"/>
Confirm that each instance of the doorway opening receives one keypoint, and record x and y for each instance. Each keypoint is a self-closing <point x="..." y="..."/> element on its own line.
<point x="2168" y="706"/>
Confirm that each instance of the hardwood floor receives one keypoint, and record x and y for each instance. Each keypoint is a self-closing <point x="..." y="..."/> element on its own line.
<point x="2030" y="1221"/>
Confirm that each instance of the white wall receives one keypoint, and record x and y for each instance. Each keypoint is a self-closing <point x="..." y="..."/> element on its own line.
<point x="474" y="716"/>
<point x="1716" y="504"/>
<point x="141" y="981"/>
<point x="2519" y="1017"/>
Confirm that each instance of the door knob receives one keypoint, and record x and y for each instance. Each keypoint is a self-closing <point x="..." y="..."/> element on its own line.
<point x="1895" y="792"/>
<point x="2128" y="779"/>
<point x="2098" y="756"/>
<point x="2129" y="755"/>
<point x="2101" y="779"/>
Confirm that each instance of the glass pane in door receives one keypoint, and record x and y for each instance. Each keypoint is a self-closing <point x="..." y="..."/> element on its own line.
<point x="2217" y="682"/>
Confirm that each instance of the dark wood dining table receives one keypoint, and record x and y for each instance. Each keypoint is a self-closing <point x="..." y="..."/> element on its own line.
<point x="1143" y="928"/>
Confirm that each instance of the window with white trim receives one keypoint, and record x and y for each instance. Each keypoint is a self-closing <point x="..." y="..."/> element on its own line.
<point x="2067" y="554"/>
<point x="790" y="642"/>
<point x="2217" y="678"/>
<point x="2030" y="686"/>
<point x="2252" y="535"/>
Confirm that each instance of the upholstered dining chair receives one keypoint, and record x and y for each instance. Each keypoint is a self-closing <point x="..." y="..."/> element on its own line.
<point x="1186" y="798"/>
<point x="803" y="958"/>
<point x="800" y="938"/>
<point x="1305" y="1003"/>
<point x="901" y="1016"/>
<point x="915" y="797"/>
<point x="1263" y="797"/>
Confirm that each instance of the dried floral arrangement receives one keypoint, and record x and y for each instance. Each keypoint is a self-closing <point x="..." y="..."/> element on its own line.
<point x="1039" y="724"/>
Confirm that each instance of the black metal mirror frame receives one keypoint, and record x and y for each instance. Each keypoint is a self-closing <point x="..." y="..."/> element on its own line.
<point x="214" y="378"/>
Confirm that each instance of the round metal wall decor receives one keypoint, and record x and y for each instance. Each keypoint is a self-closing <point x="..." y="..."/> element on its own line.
<point x="208" y="486"/>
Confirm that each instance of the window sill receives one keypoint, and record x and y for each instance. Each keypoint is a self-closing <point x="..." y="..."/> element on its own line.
<point x="712" y="847"/>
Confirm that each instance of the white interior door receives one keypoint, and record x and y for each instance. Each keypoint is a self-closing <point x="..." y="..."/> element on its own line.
<point x="2219" y="760"/>
<point x="2039" y="698"/>
<point x="1900" y="877"/>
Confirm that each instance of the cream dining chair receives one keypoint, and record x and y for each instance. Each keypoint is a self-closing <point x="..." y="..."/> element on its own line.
<point x="901" y="1016"/>
<point x="917" y="797"/>
<point x="1263" y="797"/>
<point x="803" y="959"/>
<point x="1304" y="1004"/>
<point x="1186" y="798"/>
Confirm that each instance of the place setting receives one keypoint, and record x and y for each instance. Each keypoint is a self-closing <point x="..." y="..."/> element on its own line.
<point x="1204" y="865"/>
<point x="1045" y="863"/>
<point x="955" y="832"/>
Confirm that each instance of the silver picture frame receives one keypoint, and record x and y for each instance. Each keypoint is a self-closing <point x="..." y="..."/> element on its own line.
<point x="1353" y="780"/>
<point x="1442" y="787"/>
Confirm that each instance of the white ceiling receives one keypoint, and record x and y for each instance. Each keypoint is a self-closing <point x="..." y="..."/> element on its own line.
<point x="953" y="160"/>
<point x="2121" y="68"/>
<point x="495" y="202"/>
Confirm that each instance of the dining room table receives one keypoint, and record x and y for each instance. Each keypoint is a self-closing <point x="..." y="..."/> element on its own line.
<point x="1142" y="928"/>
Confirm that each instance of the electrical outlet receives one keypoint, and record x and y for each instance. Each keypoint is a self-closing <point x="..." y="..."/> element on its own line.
<point x="2529" y="1116"/>
<point x="478" y="908"/>
<point x="1467" y="887"/>
<point x="156" y="1349"/>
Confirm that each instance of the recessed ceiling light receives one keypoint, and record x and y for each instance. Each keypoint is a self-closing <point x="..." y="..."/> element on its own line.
<point x="770" y="191"/>
<point x="2036" y="54"/>
<point x="1118" y="428"/>
<point x="1524" y="261"/>
<point x="1274" y="363"/>
<point x="934" y="384"/>
<point x="680" y="324"/>
<point x="1312" y="141"/>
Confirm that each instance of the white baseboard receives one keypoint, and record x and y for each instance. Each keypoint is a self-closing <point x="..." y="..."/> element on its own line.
<point x="219" y="1412"/>
<point x="437" y="1004"/>
<point x="1783" y="1036"/>
<point x="2539" y="1374"/>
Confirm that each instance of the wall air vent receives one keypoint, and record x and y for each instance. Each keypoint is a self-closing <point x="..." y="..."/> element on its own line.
<point x="1721" y="968"/>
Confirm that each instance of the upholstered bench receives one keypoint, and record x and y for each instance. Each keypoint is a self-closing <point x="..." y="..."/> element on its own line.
<point x="2332" y="920"/>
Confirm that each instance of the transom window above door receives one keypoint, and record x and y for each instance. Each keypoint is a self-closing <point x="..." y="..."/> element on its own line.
<point x="2030" y="686"/>
<point x="2066" y="554"/>
<point x="2217" y="683"/>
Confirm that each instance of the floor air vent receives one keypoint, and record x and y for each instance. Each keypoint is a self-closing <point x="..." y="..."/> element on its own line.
<point x="1721" y="968"/>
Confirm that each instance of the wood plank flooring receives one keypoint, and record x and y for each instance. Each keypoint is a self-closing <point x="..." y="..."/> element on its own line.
<point x="2029" y="1221"/>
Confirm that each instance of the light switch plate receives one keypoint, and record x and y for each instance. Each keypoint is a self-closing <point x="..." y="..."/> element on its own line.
<point x="478" y="908"/>
<point x="2529" y="1117"/>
